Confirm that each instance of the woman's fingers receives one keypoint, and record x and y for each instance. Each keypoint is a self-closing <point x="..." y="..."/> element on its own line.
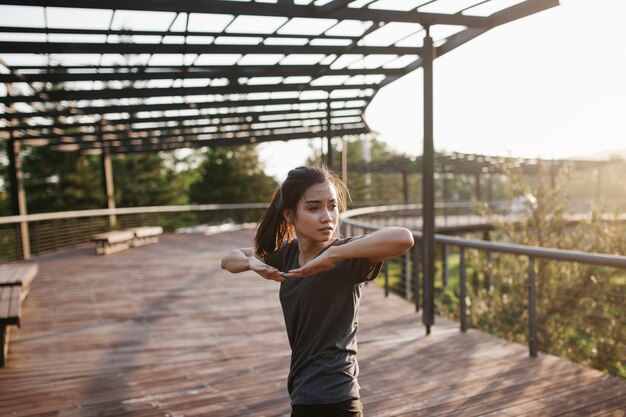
<point x="299" y="272"/>
<point x="274" y="274"/>
<point x="267" y="272"/>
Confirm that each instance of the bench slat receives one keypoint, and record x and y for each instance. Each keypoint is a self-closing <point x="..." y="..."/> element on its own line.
<point x="147" y="231"/>
<point x="18" y="274"/>
<point x="114" y="237"/>
<point x="10" y="304"/>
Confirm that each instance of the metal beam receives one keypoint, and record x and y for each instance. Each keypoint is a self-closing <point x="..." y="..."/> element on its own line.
<point x="190" y="136"/>
<point x="109" y="124"/>
<point x="159" y="131"/>
<point x="265" y="9"/>
<point x="7" y="47"/>
<point x="128" y="32"/>
<point x="176" y="143"/>
<point x="428" y="189"/>
<point x="121" y="93"/>
<point x="520" y="10"/>
<point x="135" y="73"/>
<point x="135" y="108"/>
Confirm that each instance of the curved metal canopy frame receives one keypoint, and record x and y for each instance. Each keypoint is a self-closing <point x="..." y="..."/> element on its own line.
<point x="215" y="72"/>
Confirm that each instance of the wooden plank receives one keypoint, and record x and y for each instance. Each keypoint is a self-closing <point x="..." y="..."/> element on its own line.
<point x="18" y="274"/>
<point x="164" y="331"/>
<point x="10" y="304"/>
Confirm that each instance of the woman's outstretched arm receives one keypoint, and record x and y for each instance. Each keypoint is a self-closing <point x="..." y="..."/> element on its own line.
<point x="376" y="247"/>
<point x="243" y="259"/>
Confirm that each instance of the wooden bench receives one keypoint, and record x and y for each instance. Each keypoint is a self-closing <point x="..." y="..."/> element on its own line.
<point x="15" y="282"/>
<point x="111" y="242"/>
<point x="146" y="235"/>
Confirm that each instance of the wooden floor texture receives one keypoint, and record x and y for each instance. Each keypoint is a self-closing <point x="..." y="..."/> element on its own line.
<point x="161" y="331"/>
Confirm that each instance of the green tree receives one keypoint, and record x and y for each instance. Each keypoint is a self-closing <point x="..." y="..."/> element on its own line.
<point x="232" y="175"/>
<point x="144" y="180"/>
<point x="58" y="181"/>
<point x="581" y="314"/>
<point x="184" y="167"/>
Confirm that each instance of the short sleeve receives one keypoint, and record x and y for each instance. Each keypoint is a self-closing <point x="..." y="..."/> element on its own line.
<point x="360" y="271"/>
<point x="358" y="268"/>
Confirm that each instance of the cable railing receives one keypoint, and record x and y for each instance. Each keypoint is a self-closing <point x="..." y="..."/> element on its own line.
<point x="528" y="294"/>
<point x="48" y="232"/>
<point x="55" y="231"/>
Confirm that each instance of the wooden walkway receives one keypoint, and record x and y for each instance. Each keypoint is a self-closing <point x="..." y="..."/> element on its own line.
<point x="162" y="331"/>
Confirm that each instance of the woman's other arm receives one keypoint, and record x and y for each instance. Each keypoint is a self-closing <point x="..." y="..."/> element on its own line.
<point x="243" y="259"/>
<point x="376" y="247"/>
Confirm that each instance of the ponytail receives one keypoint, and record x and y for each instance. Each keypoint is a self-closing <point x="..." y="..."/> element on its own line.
<point x="272" y="229"/>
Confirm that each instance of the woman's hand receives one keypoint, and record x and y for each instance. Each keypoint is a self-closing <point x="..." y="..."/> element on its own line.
<point x="324" y="262"/>
<point x="263" y="269"/>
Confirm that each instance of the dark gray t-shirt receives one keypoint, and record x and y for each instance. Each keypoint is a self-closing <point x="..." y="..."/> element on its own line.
<point x="321" y="318"/>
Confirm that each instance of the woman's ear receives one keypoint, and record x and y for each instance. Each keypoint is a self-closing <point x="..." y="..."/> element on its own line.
<point x="288" y="215"/>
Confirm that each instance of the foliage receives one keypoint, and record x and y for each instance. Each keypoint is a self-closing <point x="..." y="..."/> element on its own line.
<point x="232" y="175"/>
<point x="144" y="180"/>
<point x="183" y="167"/>
<point x="57" y="181"/>
<point x="580" y="307"/>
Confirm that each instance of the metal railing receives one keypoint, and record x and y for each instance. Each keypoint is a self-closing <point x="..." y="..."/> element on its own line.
<point x="48" y="232"/>
<point x="54" y="231"/>
<point x="374" y="218"/>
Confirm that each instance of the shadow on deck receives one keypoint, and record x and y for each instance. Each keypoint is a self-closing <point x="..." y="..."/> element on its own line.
<point x="162" y="331"/>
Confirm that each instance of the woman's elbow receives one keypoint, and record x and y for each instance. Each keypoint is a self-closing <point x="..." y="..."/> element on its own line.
<point x="405" y="239"/>
<point x="402" y="239"/>
<point x="228" y="261"/>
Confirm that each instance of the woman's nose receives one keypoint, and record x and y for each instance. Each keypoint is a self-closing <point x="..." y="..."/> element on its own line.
<point x="326" y="215"/>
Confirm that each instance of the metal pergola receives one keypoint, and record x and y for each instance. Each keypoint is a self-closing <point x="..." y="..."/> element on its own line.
<point x="114" y="77"/>
<point x="479" y="166"/>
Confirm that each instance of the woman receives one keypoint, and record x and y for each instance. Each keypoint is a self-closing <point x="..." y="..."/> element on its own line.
<point x="321" y="277"/>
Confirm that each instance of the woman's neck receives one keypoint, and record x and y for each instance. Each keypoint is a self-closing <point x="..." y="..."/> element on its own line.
<point x="309" y="249"/>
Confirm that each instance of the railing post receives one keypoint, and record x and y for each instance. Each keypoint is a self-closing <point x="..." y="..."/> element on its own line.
<point x="36" y="238"/>
<point x="386" y="271"/>
<point x="416" y="277"/>
<point x="406" y="264"/>
<point x="73" y="231"/>
<point x="444" y="265"/>
<point x="532" y="308"/>
<point x="488" y="283"/>
<point x="462" y="289"/>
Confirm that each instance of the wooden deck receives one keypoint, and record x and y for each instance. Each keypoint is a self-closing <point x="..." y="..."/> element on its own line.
<point x="162" y="331"/>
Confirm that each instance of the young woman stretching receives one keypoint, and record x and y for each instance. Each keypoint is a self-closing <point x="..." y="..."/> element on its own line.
<point x="321" y="277"/>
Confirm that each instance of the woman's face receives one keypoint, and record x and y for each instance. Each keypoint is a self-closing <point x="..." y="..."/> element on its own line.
<point x="317" y="213"/>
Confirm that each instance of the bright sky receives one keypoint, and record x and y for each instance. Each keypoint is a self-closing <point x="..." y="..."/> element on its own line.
<point x="551" y="85"/>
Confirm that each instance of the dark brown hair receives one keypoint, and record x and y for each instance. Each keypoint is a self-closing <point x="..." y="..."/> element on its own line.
<point x="273" y="229"/>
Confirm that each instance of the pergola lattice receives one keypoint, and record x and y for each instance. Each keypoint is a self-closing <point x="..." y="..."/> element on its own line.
<point x="161" y="75"/>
